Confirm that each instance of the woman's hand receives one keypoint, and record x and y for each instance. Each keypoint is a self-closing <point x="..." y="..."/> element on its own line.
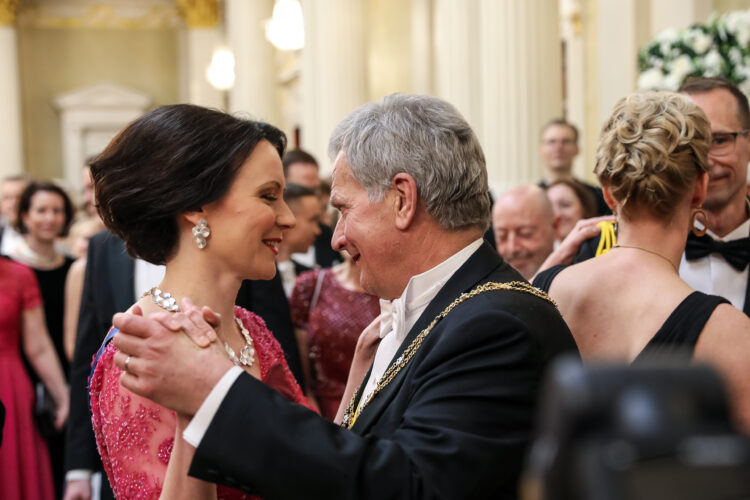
<point x="364" y="354"/>
<point x="568" y="249"/>
<point x="61" y="413"/>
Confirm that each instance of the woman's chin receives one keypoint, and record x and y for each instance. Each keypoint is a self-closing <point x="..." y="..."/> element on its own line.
<point x="267" y="273"/>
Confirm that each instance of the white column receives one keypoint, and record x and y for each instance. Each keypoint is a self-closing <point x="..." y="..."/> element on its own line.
<point x="617" y="56"/>
<point x="201" y="38"/>
<point x="457" y="65"/>
<point x="255" y="89"/>
<point x="520" y="85"/>
<point x="576" y="84"/>
<point x="11" y="149"/>
<point x="333" y="70"/>
<point x="421" y="46"/>
<point x="200" y="45"/>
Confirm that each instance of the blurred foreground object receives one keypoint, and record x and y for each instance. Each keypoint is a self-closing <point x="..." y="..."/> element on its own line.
<point x="619" y="432"/>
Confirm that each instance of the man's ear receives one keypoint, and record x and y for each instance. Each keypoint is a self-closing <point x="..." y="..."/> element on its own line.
<point x="406" y="199"/>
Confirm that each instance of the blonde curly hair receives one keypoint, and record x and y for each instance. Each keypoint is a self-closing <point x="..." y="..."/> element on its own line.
<point x="651" y="151"/>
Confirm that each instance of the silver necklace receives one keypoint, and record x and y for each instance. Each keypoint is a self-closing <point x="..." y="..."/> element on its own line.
<point x="165" y="300"/>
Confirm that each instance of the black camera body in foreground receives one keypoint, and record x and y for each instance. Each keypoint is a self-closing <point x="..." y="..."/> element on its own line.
<point x="625" y="433"/>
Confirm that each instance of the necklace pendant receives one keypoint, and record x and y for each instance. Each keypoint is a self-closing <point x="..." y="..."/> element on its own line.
<point x="247" y="355"/>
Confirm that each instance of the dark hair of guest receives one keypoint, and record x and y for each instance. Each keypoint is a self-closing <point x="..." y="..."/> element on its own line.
<point x="171" y="160"/>
<point x="297" y="156"/>
<point x="293" y="192"/>
<point x="24" y="204"/>
<point x="584" y="195"/>
<point x="700" y="85"/>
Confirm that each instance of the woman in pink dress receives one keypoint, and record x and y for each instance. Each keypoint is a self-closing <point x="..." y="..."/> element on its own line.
<point x="329" y="311"/>
<point x="199" y="191"/>
<point x="25" y="470"/>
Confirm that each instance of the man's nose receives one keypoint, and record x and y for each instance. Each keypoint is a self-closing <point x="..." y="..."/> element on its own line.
<point x="338" y="241"/>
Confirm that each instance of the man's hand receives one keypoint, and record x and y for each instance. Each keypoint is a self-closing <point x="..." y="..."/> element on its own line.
<point x="78" y="489"/>
<point x="171" y="369"/>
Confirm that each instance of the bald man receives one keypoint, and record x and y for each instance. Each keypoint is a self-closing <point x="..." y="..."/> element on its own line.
<point x="525" y="228"/>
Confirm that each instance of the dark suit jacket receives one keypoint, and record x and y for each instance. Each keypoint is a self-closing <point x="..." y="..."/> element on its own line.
<point x="454" y="423"/>
<point x="268" y="300"/>
<point x="107" y="289"/>
<point x="325" y="255"/>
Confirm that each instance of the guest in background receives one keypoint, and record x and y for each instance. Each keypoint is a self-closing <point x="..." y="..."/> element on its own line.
<point x="304" y="204"/>
<point x="558" y="147"/>
<point x="525" y="228"/>
<point x="330" y="310"/>
<point x="630" y="303"/>
<point x="44" y="215"/>
<point x="326" y="211"/>
<point x="571" y="202"/>
<point x="300" y="167"/>
<point x="717" y="262"/>
<point x="78" y="241"/>
<point x="25" y="471"/>
<point x="10" y="192"/>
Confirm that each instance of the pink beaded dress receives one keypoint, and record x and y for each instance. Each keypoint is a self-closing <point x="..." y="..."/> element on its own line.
<point x="333" y="319"/>
<point x="135" y="436"/>
<point x="25" y="470"/>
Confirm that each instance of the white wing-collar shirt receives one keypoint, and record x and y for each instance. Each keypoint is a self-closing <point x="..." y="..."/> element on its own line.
<point x="714" y="275"/>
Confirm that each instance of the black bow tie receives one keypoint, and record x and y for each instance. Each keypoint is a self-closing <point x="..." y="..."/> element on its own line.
<point x="736" y="252"/>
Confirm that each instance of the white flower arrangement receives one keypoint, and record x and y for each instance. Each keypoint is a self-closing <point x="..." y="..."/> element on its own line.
<point x="721" y="47"/>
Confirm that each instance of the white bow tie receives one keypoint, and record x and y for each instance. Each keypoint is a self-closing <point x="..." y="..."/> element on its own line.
<point x="392" y="317"/>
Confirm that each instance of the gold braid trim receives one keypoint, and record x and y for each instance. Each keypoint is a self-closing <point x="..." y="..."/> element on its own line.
<point x="350" y="415"/>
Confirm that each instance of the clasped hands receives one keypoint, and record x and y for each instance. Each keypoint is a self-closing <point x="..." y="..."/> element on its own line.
<point x="173" y="359"/>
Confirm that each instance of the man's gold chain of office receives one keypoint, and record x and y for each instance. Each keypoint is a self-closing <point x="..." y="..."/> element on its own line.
<point x="350" y="416"/>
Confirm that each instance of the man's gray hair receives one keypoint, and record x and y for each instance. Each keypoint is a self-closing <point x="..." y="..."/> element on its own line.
<point x="426" y="138"/>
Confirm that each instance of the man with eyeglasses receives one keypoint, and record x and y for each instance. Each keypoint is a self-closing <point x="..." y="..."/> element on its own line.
<point x="717" y="263"/>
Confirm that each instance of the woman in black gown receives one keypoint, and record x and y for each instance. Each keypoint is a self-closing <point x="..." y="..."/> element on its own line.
<point x="630" y="303"/>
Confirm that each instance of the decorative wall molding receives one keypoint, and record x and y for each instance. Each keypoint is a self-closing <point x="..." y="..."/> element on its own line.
<point x="8" y="12"/>
<point x="200" y="13"/>
<point x="135" y="14"/>
<point x="89" y="118"/>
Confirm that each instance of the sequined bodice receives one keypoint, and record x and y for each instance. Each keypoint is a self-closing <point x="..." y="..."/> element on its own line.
<point x="135" y="436"/>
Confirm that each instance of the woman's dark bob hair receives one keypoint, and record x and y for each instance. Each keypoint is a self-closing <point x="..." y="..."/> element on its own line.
<point x="171" y="160"/>
<point x="24" y="204"/>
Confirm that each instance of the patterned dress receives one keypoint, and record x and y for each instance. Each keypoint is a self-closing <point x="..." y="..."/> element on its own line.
<point x="333" y="326"/>
<point x="135" y="436"/>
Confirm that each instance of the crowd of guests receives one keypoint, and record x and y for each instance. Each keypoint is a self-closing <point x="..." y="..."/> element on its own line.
<point x="311" y="300"/>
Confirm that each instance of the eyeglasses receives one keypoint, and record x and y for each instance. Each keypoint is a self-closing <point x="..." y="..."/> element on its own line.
<point x="722" y="143"/>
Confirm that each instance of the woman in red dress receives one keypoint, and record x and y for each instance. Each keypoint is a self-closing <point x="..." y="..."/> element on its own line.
<point x="199" y="191"/>
<point x="25" y="471"/>
<point x="330" y="311"/>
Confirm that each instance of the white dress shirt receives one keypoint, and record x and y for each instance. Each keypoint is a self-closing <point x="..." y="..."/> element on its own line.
<point x="288" y="276"/>
<point x="403" y="313"/>
<point x="712" y="274"/>
<point x="399" y="315"/>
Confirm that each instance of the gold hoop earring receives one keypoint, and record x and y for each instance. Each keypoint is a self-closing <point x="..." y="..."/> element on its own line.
<point x="700" y="216"/>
